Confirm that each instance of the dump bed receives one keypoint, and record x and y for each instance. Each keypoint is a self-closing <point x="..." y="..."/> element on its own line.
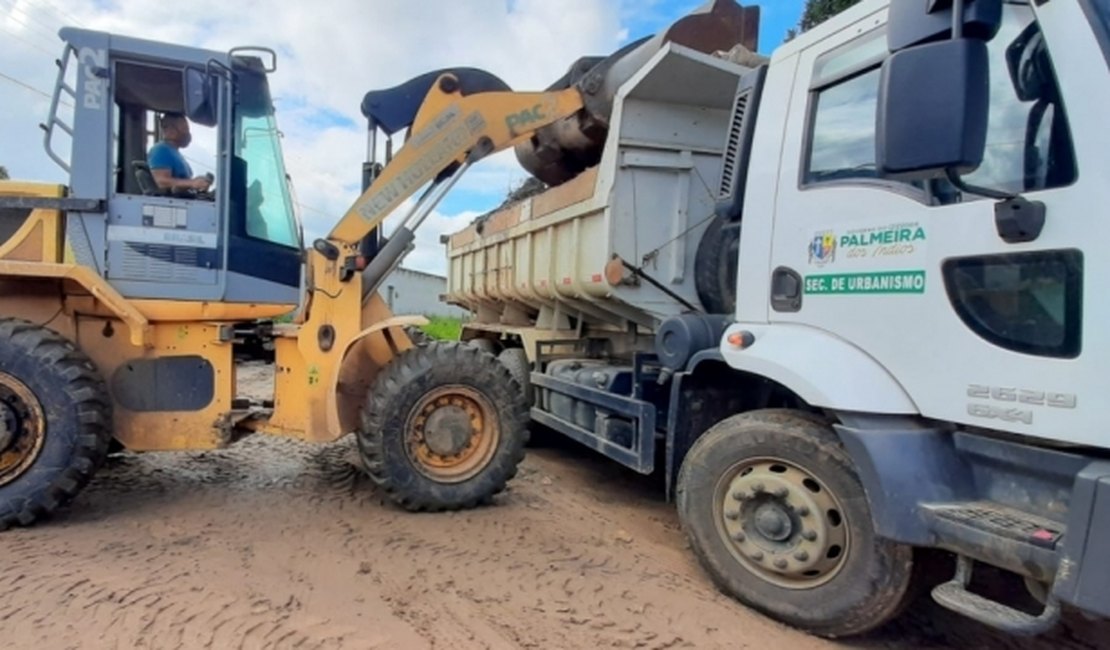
<point x="617" y="244"/>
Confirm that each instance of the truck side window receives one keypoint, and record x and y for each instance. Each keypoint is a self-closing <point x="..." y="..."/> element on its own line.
<point x="842" y="138"/>
<point x="844" y="105"/>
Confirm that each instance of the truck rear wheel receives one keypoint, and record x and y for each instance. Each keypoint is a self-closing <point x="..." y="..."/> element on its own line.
<point x="776" y="514"/>
<point x="444" y="428"/>
<point x="55" y="422"/>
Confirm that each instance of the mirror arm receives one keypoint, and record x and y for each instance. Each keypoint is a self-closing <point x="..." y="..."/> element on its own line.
<point x="968" y="188"/>
<point x="957" y="19"/>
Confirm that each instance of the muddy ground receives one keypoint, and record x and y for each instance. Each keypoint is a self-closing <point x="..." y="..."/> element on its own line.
<point x="278" y="544"/>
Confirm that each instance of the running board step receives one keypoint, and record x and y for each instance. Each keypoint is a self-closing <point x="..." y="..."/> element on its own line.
<point x="953" y="595"/>
<point x="1005" y="537"/>
<point x="1001" y="521"/>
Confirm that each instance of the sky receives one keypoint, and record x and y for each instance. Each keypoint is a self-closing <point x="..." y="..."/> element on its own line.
<point x="329" y="54"/>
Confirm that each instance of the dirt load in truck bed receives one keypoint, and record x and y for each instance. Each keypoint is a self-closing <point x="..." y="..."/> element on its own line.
<point x="274" y="543"/>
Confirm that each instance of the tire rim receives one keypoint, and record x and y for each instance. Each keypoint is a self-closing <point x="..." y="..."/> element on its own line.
<point x="782" y="523"/>
<point x="22" y="428"/>
<point x="452" y="434"/>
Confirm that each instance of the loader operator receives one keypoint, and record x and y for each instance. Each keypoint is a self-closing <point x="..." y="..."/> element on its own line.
<point x="167" y="165"/>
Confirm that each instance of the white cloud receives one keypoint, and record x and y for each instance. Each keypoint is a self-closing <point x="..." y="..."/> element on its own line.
<point x="330" y="54"/>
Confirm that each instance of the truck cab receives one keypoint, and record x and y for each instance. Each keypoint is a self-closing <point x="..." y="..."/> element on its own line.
<point x="174" y="252"/>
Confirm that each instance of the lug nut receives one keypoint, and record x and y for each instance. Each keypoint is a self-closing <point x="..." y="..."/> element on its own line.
<point x="757" y="556"/>
<point x="759" y="488"/>
<point x="740" y="495"/>
<point x="780" y="564"/>
<point x="801" y="556"/>
<point x="803" y="511"/>
<point x="733" y="514"/>
<point x="782" y="493"/>
<point x="740" y="537"/>
<point x="810" y="536"/>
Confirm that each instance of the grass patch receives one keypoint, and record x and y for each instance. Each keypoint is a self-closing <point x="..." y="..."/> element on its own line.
<point x="444" y="328"/>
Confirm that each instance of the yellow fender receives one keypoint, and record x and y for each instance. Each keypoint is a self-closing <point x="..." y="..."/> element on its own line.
<point x="364" y="356"/>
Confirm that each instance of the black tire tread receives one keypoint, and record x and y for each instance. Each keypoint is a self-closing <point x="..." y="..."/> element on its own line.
<point x="481" y="370"/>
<point x="887" y="602"/>
<point x="89" y="395"/>
<point x="516" y="360"/>
<point x="715" y="265"/>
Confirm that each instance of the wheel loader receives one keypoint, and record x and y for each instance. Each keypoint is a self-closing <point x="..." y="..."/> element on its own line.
<point x="123" y="306"/>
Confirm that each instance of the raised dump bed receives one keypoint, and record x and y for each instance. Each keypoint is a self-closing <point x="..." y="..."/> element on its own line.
<point x="615" y="246"/>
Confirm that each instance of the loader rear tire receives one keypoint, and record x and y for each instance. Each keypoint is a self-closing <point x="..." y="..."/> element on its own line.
<point x="775" y="512"/>
<point x="55" y="422"/>
<point x="444" y="428"/>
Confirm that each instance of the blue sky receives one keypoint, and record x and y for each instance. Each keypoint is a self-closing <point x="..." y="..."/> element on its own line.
<point x="648" y="17"/>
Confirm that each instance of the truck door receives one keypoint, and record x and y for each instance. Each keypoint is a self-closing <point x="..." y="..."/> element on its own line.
<point x="976" y="329"/>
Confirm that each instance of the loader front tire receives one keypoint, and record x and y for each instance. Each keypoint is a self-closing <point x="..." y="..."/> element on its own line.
<point x="55" y="422"/>
<point x="444" y="428"/>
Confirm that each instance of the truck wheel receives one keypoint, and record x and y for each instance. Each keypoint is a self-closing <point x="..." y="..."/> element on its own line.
<point x="715" y="267"/>
<point x="55" y="422"/>
<point x="444" y="428"/>
<point x="516" y="360"/>
<point x="776" y="514"/>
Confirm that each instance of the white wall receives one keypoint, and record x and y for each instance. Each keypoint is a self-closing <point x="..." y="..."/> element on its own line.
<point x="409" y="292"/>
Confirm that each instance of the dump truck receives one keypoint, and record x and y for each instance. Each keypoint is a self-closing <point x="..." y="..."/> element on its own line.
<point x="841" y="299"/>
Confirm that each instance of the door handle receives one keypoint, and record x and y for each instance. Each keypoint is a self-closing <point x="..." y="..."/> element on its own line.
<point x="786" y="290"/>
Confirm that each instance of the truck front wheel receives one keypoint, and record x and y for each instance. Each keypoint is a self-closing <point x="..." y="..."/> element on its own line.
<point x="776" y="514"/>
<point x="444" y="427"/>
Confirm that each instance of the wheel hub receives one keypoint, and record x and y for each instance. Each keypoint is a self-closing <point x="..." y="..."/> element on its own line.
<point x="782" y="523"/>
<point x="773" y="522"/>
<point x="447" y="430"/>
<point x="22" y="428"/>
<point x="452" y="433"/>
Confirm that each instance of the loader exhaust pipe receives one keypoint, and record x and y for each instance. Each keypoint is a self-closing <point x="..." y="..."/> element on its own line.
<point x="561" y="151"/>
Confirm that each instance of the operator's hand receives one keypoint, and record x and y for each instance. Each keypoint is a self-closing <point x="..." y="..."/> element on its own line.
<point x="201" y="183"/>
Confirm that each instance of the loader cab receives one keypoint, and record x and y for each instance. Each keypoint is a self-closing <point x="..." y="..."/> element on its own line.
<point x="239" y="243"/>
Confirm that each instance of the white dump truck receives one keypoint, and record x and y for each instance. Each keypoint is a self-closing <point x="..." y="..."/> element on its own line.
<point x="846" y="301"/>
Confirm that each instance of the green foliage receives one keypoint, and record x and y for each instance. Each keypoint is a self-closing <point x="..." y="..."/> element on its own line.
<point x="443" y="328"/>
<point x="818" y="11"/>
<point x="4" y="173"/>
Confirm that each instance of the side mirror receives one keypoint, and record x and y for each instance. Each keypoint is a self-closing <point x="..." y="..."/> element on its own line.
<point x="934" y="105"/>
<point x="201" y="97"/>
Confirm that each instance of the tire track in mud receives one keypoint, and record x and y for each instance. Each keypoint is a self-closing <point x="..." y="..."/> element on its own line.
<point x="274" y="543"/>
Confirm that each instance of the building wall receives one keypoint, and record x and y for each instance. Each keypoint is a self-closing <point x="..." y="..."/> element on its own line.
<point x="409" y="292"/>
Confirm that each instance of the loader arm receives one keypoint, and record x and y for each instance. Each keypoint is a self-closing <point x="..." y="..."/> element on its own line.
<point x="449" y="128"/>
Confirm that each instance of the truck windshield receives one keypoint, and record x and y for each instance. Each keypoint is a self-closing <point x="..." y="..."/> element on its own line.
<point x="269" y="205"/>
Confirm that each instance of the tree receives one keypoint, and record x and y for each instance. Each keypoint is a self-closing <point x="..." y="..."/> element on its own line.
<point x="4" y="173"/>
<point x="818" y="11"/>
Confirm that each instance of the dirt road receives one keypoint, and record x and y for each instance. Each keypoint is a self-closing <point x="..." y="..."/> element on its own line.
<point x="277" y="544"/>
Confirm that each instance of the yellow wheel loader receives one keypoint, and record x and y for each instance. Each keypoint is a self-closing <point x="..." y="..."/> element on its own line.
<point x="124" y="301"/>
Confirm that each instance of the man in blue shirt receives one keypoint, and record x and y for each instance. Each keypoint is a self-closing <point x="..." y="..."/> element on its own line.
<point x="167" y="165"/>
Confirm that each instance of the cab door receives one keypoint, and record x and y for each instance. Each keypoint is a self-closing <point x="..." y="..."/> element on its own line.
<point x="977" y="329"/>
